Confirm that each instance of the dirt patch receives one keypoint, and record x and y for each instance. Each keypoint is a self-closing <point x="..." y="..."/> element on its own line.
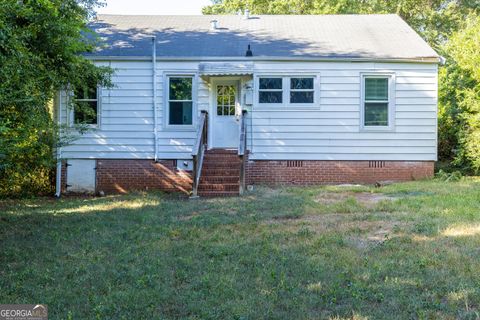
<point x="366" y="199"/>
<point x="360" y="231"/>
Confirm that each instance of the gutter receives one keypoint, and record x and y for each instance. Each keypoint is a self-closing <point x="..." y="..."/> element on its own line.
<point x="268" y="59"/>
<point x="154" y="83"/>
<point x="58" y="174"/>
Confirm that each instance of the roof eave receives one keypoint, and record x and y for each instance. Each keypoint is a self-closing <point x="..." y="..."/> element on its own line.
<point x="435" y="59"/>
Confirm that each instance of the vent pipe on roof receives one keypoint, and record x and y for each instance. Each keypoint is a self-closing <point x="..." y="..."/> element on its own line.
<point x="214" y="24"/>
<point x="249" y="52"/>
<point x="246" y="15"/>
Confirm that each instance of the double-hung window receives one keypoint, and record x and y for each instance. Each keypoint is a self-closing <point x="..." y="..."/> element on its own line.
<point x="180" y="100"/>
<point x="270" y="90"/>
<point x="85" y="104"/>
<point x="377" y="102"/>
<point x="302" y="90"/>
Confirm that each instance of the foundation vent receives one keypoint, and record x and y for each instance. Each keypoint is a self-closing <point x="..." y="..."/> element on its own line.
<point x="294" y="163"/>
<point x="376" y="164"/>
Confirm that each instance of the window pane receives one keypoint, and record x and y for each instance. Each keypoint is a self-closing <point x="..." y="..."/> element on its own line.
<point x="301" y="83"/>
<point x="180" y="113"/>
<point x="270" y="83"/>
<point x="85" y="112"/>
<point x="180" y="88"/>
<point x="88" y="91"/>
<point x="376" y="89"/>
<point x="270" y="97"/>
<point x="301" y="97"/>
<point x="376" y="114"/>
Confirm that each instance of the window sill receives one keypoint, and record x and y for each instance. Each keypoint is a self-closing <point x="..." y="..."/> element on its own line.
<point x="377" y="129"/>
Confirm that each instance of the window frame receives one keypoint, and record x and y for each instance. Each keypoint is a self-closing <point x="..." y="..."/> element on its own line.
<point x="290" y="90"/>
<point x="166" y="90"/>
<point x="97" y="100"/>
<point x="391" y="100"/>
<point x="282" y="90"/>
<point x="286" y="78"/>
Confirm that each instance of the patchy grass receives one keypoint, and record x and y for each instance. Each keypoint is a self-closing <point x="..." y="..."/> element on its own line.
<point x="404" y="251"/>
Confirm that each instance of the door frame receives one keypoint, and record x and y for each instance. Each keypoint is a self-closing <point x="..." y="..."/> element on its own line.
<point x="212" y="110"/>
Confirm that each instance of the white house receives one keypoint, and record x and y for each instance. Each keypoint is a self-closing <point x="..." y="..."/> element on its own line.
<point x="216" y="103"/>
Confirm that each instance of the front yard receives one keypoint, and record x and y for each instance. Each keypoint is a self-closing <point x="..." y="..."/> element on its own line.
<point x="405" y="251"/>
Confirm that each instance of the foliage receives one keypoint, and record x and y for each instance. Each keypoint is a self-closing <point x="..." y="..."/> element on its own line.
<point x="448" y="176"/>
<point x="433" y="19"/>
<point x="459" y="117"/>
<point x="40" y="43"/>
<point x="299" y="253"/>
<point x="436" y="21"/>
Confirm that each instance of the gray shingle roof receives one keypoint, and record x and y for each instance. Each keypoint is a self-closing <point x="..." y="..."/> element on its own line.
<point x="322" y="36"/>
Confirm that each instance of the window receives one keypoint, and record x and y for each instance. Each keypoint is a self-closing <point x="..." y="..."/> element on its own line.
<point x="301" y="90"/>
<point x="270" y="90"/>
<point x="226" y="100"/>
<point x="85" y="108"/>
<point x="180" y="101"/>
<point x="376" y="101"/>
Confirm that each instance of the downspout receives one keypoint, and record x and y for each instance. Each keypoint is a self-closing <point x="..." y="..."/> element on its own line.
<point x="154" y="79"/>
<point x="58" y="176"/>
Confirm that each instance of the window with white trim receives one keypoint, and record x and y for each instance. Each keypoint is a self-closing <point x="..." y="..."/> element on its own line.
<point x="180" y="100"/>
<point x="302" y="90"/>
<point x="377" y="101"/>
<point x="85" y="104"/>
<point x="270" y="90"/>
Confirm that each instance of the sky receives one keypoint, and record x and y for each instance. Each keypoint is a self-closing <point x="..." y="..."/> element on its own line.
<point x="170" y="7"/>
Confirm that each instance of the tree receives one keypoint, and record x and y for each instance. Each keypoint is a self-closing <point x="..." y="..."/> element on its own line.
<point x="436" y="21"/>
<point x="433" y="19"/>
<point x="41" y="42"/>
<point x="460" y="97"/>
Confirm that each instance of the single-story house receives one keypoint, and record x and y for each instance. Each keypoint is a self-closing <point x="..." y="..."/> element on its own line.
<point x="213" y="104"/>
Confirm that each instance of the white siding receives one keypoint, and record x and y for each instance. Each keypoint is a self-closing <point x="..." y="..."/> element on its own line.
<point x="328" y="130"/>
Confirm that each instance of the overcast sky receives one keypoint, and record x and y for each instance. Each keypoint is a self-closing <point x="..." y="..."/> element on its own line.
<point x="154" y="6"/>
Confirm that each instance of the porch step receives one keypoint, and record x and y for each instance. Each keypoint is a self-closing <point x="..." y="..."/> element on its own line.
<point x="219" y="179"/>
<point x="220" y="173"/>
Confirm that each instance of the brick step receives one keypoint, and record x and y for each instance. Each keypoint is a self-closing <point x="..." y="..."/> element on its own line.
<point x="218" y="193"/>
<point x="222" y="151"/>
<point x="223" y="159"/>
<point x="220" y="172"/>
<point x="222" y="165"/>
<point x="219" y="187"/>
<point x="219" y="179"/>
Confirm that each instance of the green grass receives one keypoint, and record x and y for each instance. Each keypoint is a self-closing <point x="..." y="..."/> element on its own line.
<point x="404" y="251"/>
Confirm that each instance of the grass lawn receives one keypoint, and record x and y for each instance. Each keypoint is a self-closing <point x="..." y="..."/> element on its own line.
<point x="404" y="251"/>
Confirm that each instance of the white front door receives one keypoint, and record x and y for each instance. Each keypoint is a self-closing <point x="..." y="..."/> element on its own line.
<point x="225" y="127"/>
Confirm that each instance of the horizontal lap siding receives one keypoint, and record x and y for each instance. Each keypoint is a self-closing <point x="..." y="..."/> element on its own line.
<point x="330" y="130"/>
<point x="127" y="120"/>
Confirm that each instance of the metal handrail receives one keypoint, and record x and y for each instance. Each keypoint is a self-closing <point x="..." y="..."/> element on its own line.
<point x="242" y="148"/>
<point x="198" y="151"/>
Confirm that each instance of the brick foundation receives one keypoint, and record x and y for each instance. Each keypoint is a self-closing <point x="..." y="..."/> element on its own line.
<point x="120" y="176"/>
<point x="315" y="172"/>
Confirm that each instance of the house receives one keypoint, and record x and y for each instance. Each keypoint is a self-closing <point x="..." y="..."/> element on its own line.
<point x="212" y="104"/>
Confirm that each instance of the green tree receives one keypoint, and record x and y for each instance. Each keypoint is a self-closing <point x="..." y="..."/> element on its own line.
<point x="436" y="21"/>
<point x="459" y="97"/>
<point x="433" y="19"/>
<point x="41" y="42"/>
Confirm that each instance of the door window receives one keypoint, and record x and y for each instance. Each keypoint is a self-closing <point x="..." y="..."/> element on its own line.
<point x="226" y="100"/>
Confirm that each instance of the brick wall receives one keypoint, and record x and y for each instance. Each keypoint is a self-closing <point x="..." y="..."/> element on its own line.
<point x="120" y="176"/>
<point x="314" y="172"/>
